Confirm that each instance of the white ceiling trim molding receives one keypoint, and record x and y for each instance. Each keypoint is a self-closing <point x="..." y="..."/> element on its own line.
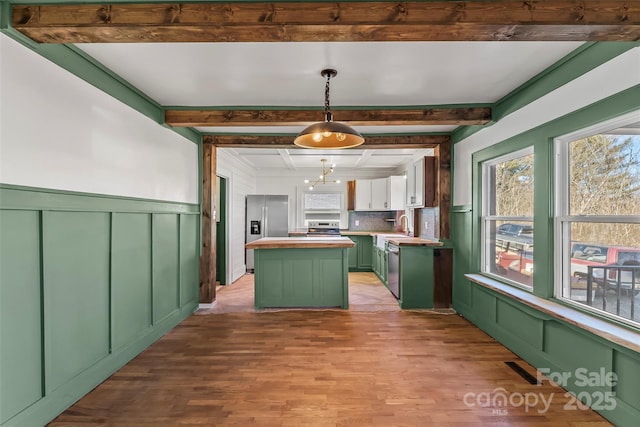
<point x="614" y="76"/>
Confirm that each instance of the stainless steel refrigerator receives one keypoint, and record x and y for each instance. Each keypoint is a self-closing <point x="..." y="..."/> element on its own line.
<point x="266" y="216"/>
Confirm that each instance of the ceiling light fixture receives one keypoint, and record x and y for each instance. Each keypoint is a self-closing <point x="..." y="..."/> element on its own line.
<point x="322" y="179"/>
<point x="328" y="134"/>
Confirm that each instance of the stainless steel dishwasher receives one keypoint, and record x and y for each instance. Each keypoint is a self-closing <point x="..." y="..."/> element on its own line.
<point x="393" y="278"/>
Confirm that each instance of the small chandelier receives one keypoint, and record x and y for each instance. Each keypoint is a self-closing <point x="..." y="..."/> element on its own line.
<point x="322" y="179"/>
<point x="328" y="134"/>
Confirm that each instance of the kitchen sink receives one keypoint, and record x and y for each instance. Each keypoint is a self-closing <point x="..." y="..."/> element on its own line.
<point x="381" y="239"/>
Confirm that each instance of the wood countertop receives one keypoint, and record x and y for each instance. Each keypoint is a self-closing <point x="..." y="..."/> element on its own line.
<point x="413" y="241"/>
<point x="300" y="242"/>
<point x="357" y="233"/>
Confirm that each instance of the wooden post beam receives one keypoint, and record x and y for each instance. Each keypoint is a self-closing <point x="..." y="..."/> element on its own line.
<point x="370" y="142"/>
<point x="459" y="116"/>
<point x="549" y="20"/>
<point x="209" y="211"/>
<point x="443" y="159"/>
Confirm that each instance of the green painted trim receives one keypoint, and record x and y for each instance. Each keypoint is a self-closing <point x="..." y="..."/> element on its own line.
<point x="541" y="138"/>
<point x="20" y="197"/>
<point x="462" y="208"/>
<point x="570" y="67"/>
<point x="200" y="192"/>
<point x="41" y="412"/>
<point x="221" y="237"/>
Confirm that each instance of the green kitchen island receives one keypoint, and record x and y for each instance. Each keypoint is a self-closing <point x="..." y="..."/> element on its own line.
<point x="301" y="272"/>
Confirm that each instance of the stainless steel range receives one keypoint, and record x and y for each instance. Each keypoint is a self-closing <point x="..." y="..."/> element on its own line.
<point x="323" y="228"/>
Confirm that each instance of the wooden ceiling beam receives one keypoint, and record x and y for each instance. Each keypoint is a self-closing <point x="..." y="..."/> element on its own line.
<point x="549" y="20"/>
<point x="370" y="141"/>
<point x="423" y="116"/>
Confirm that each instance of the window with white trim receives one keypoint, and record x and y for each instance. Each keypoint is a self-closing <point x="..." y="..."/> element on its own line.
<point x="507" y="218"/>
<point x="322" y="206"/>
<point x="597" y="224"/>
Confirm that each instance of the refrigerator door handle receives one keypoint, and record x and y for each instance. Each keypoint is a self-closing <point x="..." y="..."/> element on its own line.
<point x="265" y="216"/>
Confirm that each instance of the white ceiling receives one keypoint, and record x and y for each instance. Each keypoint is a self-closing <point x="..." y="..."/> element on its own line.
<point x="288" y="74"/>
<point x="296" y="159"/>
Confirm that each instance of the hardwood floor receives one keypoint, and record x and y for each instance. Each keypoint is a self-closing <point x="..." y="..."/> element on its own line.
<point x="366" y="293"/>
<point x="382" y="367"/>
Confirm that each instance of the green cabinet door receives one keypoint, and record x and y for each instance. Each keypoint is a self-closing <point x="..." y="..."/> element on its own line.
<point x="365" y="253"/>
<point x="375" y="260"/>
<point x="360" y="256"/>
<point x="353" y="254"/>
<point x="384" y="270"/>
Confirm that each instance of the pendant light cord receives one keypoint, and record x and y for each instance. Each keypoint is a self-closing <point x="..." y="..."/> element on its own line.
<point x="327" y="108"/>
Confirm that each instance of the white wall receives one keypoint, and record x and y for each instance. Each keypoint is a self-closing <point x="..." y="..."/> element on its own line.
<point x="241" y="180"/>
<point x="59" y="132"/>
<point x="608" y="79"/>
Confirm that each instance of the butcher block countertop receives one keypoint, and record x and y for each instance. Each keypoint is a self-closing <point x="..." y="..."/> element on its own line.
<point x="300" y="242"/>
<point x="359" y="233"/>
<point x="413" y="241"/>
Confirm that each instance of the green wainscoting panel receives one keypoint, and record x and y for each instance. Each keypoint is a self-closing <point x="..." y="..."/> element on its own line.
<point x="19" y="197"/>
<point x="130" y="277"/>
<point x="189" y="259"/>
<point x="166" y="279"/>
<point x="570" y="349"/>
<point x="574" y="349"/>
<point x="299" y="272"/>
<point x="519" y="323"/>
<point x="484" y="305"/>
<point x="20" y="312"/>
<point x="76" y="292"/>
<point x="627" y="368"/>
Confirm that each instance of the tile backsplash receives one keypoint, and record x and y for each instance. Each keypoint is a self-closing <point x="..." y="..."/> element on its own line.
<point x="372" y="221"/>
<point x="430" y="216"/>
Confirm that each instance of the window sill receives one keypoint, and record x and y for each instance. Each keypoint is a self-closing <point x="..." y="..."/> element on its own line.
<point x="609" y="331"/>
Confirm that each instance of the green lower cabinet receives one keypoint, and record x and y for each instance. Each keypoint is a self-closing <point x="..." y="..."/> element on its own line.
<point x="353" y="254"/>
<point x="360" y="256"/>
<point x="425" y="277"/>
<point x="384" y="270"/>
<point x="375" y="260"/>
<point x="365" y="253"/>
<point x="380" y="262"/>
<point x="309" y="277"/>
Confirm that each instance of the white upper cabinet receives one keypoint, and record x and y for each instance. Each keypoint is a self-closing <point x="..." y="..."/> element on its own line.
<point x="379" y="200"/>
<point x="396" y="193"/>
<point x="415" y="184"/>
<point x="363" y="195"/>
<point x="382" y="194"/>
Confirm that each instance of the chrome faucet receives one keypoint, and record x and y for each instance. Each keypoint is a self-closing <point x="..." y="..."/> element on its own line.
<point x="405" y="227"/>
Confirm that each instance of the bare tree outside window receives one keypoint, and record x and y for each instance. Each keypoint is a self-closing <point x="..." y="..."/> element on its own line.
<point x="507" y="217"/>
<point x="599" y="222"/>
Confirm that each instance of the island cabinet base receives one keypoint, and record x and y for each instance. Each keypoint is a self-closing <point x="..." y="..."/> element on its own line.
<point x="309" y="277"/>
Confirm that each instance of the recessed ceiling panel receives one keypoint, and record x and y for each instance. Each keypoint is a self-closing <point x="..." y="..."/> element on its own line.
<point x="262" y="161"/>
<point x="288" y="74"/>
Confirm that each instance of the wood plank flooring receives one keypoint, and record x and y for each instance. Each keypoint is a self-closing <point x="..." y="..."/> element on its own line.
<point x="352" y="367"/>
<point x="366" y="293"/>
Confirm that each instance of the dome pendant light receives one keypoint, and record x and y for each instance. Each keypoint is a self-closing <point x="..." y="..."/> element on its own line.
<point x="328" y="134"/>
